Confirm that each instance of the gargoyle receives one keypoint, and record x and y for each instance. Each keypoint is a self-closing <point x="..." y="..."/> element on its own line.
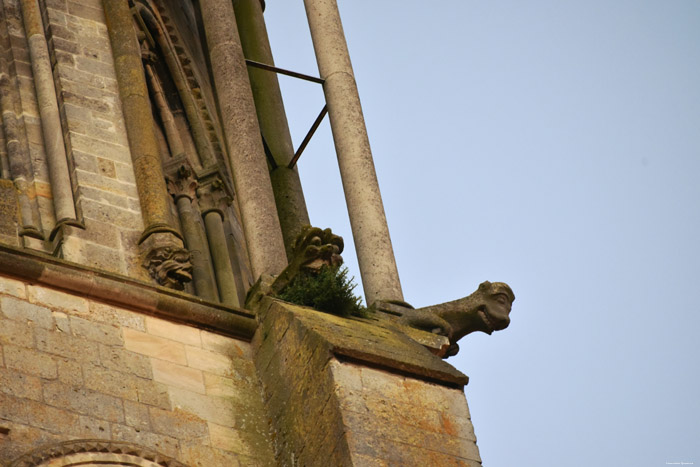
<point x="485" y="310"/>
<point x="169" y="266"/>
<point x="313" y="249"/>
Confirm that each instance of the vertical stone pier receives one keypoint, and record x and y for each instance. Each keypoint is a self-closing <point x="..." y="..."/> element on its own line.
<point x="289" y="197"/>
<point x="242" y="135"/>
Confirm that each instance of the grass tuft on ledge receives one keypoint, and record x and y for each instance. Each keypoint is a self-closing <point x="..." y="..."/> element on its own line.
<point x="330" y="291"/>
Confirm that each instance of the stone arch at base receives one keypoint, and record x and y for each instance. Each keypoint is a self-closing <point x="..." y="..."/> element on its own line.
<point x="85" y="453"/>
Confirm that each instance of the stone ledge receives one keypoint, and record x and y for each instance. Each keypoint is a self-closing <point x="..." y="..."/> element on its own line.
<point x="90" y="283"/>
<point x="373" y="343"/>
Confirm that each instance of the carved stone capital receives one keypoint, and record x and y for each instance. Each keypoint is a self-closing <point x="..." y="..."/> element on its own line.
<point x="182" y="183"/>
<point x="212" y="194"/>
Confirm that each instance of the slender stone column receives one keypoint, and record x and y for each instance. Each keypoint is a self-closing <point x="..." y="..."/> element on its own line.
<point x="289" y="197"/>
<point x="182" y="186"/>
<point x="4" y="161"/>
<point x="205" y="151"/>
<point x="210" y="195"/>
<point x="242" y="133"/>
<point x="172" y="134"/>
<point x="222" y="263"/>
<point x="64" y="205"/>
<point x="138" y="119"/>
<point x="375" y="254"/>
<point x="19" y="161"/>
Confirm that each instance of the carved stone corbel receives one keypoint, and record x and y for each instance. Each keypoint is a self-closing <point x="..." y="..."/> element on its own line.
<point x="169" y="266"/>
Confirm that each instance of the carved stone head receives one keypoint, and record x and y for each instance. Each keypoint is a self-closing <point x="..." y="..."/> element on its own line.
<point x="169" y="266"/>
<point x="496" y="301"/>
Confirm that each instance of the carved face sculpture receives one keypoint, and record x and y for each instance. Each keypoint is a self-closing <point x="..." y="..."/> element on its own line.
<point x="498" y="299"/>
<point x="170" y="267"/>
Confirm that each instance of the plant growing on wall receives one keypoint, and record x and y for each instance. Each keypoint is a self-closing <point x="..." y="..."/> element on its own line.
<point x="329" y="290"/>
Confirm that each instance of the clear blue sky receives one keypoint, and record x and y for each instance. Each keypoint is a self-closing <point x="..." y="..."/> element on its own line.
<point x="553" y="145"/>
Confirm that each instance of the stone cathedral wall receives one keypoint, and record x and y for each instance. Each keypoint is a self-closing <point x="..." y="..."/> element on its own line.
<point x="73" y="368"/>
<point x="304" y="388"/>
<point x="99" y="361"/>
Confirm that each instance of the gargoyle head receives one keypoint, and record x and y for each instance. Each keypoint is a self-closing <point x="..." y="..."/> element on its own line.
<point x="486" y="310"/>
<point x="496" y="300"/>
<point x="169" y="266"/>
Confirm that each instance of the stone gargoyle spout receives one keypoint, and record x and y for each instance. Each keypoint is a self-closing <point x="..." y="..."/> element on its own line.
<point x="485" y="310"/>
<point x="313" y="249"/>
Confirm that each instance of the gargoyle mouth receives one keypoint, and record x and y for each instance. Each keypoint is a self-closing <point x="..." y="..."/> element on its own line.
<point x="179" y="275"/>
<point x="492" y="323"/>
<point x="486" y="319"/>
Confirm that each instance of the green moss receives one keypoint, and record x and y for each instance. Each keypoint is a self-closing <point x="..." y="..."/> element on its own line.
<point x="330" y="290"/>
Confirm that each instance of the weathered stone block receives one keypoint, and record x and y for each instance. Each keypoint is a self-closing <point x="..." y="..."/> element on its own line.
<point x="178" y="376"/>
<point x="207" y="360"/>
<point x="198" y="455"/>
<point x="84" y="401"/>
<point x="30" y="362"/>
<point x="20" y="310"/>
<point x="108" y="314"/>
<point x="125" y="173"/>
<point x="220" y="386"/>
<point x="91" y="65"/>
<point x="166" y="445"/>
<point x="213" y="409"/>
<point x="154" y="346"/>
<point x="84" y="162"/>
<point x="91" y="428"/>
<point x="153" y="393"/>
<point x="110" y="151"/>
<point x="113" y="383"/>
<point x="105" y="334"/>
<point x="62" y="321"/>
<point x="176" y="332"/>
<point x="69" y="372"/>
<point x="20" y="385"/>
<point x="19" y="437"/>
<point x="48" y="418"/>
<point x="401" y="454"/>
<point x="226" y="346"/>
<point x="409" y="435"/>
<point x="12" y="287"/>
<point x="88" y="12"/>
<point x="104" y="197"/>
<point x="110" y="214"/>
<point x="136" y="415"/>
<point x="16" y="333"/>
<point x="58" y="343"/>
<point x="228" y="439"/>
<point x="116" y="358"/>
<point x="179" y="424"/>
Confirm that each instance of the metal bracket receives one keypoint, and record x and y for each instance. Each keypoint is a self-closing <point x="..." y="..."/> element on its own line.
<point x="313" y="128"/>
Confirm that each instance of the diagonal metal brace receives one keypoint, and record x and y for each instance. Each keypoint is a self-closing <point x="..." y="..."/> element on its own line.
<point x="282" y="71"/>
<point x="308" y="136"/>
